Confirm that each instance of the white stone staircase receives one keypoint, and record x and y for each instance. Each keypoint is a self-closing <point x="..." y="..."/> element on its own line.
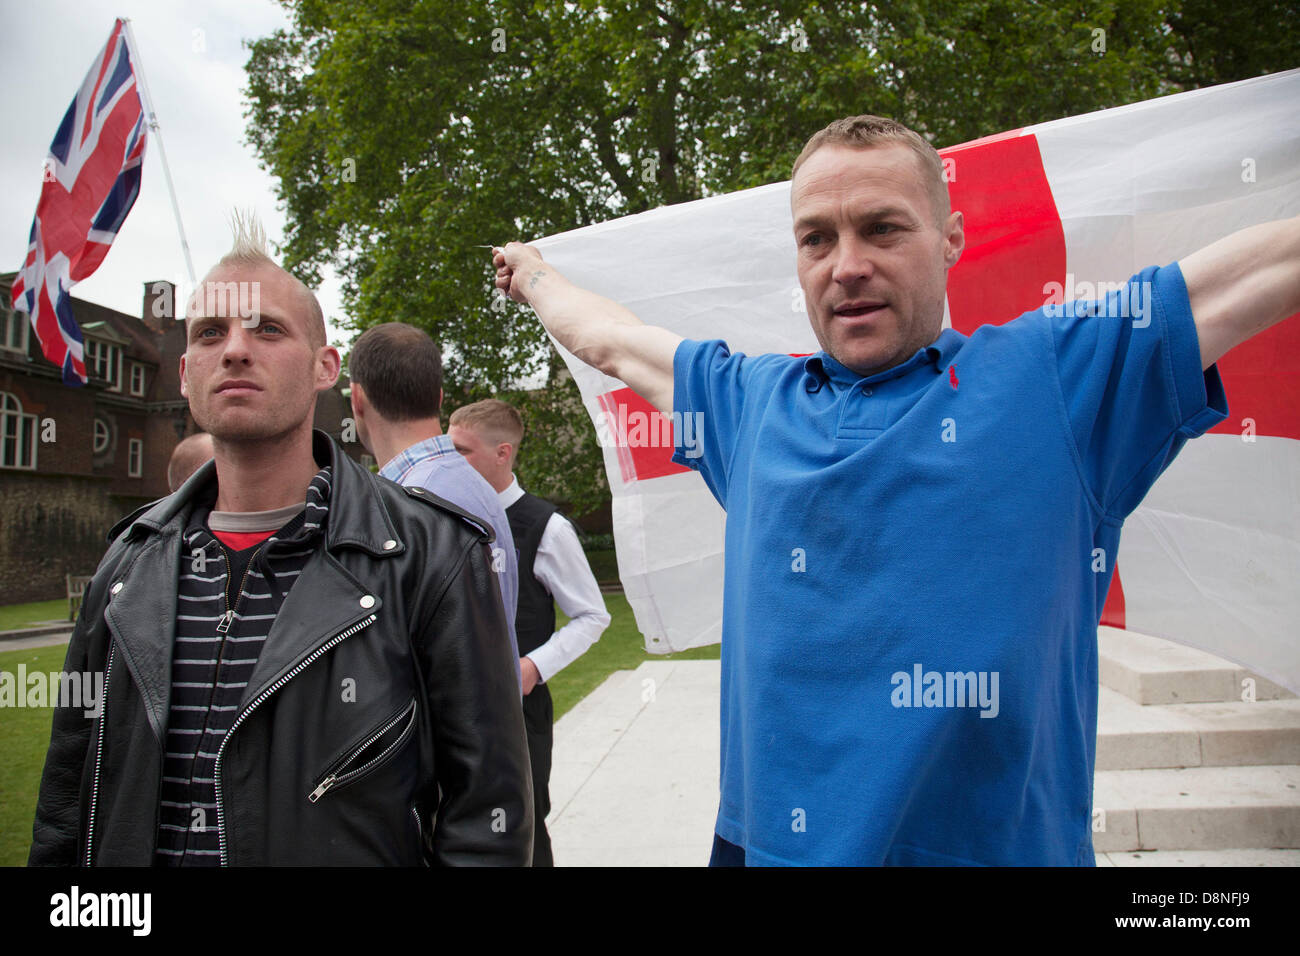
<point x="1198" y="760"/>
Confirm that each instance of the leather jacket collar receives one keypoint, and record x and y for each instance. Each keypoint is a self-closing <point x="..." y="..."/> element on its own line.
<point x="334" y="602"/>
<point x="357" y="518"/>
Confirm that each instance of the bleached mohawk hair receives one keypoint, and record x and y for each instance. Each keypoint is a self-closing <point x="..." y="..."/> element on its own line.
<point x="249" y="245"/>
<point x="250" y="249"/>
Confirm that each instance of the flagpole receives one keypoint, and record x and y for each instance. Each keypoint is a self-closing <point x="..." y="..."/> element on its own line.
<point x="151" y="117"/>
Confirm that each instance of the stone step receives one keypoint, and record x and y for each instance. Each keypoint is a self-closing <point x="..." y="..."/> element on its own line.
<point x="1201" y="858"/>
<point x="1151" y="670"/>
<point x="1197" y="808"/>
<point x="1131" y="736"/>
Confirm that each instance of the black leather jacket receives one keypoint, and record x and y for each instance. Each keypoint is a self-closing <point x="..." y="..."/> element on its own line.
<point x="430" y="760"/>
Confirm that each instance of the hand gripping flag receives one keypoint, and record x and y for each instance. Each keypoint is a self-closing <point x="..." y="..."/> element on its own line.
<point x="1212" y="556"/>
<point x="92" y="177"/>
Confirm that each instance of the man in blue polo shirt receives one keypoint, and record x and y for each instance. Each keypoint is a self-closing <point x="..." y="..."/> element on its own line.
<point x="909" y="656"/>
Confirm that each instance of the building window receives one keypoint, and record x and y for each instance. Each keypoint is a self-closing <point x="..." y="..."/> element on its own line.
<point x="17" y="434"/>
<point x="137" y="379"/>
<point x="13" y="330"/>
<point x="103" y="435"/>
<point x="104" y="360"/>
<point x="135" y="457"/>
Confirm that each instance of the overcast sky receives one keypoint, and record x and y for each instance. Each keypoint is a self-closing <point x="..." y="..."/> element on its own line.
<point x="193" y="59"/>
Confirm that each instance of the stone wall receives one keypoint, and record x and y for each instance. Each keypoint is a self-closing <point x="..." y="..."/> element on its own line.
<point x="52" y="525"/>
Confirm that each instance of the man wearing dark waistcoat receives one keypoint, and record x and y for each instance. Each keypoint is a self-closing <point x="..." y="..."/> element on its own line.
<point x="552" y="568"/>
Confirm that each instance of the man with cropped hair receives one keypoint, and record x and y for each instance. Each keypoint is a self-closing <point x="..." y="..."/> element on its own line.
<point x="187" y="458"/>
<point x="553" y="569"/>
<point x="396" y="375"/>
<point x="943" y="497"/>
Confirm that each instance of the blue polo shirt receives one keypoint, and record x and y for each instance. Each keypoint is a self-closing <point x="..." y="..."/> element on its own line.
<point x="916" y="565"/>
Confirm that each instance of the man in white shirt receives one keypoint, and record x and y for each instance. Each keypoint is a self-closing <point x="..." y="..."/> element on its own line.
<point x="552" y="570"/>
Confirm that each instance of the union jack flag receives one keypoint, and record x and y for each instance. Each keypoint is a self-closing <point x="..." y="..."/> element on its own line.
<point x="92" y="177"/>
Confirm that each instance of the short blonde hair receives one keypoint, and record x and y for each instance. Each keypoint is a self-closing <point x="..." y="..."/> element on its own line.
<point x="866" y="131"/>
<point x="493" y="419"/>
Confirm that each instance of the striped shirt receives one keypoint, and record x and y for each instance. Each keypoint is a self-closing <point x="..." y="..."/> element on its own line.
<point x="226" y="602"/>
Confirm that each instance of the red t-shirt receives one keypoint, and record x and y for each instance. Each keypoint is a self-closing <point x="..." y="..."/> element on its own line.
<point x="239" y="540"/>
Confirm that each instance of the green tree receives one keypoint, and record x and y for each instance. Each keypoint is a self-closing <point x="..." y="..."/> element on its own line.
<point x="407" y="133"/>
<point x="1224" y="42"/>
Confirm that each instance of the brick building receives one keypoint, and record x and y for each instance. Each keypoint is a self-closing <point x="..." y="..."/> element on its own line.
<point x="75" y="460"/>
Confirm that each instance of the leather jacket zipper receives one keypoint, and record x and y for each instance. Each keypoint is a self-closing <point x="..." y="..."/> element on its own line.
<point x="338" y="776"/>
<point x="257" y="702"/>
<point x="99" y="752"/>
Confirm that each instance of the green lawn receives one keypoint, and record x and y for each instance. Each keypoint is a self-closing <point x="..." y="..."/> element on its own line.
<point x="15" y="616"/>
<point x="24" y="734"/>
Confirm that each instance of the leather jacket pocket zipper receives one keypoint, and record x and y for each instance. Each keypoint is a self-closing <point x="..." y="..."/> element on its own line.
<point x="376" y="748"/>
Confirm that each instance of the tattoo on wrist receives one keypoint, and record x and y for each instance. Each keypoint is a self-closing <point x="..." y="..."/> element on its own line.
<point x="536" y="275"/>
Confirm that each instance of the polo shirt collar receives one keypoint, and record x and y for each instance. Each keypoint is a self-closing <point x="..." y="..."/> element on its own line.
<point x="821" y="369"/>
<point x="946" y="347"/>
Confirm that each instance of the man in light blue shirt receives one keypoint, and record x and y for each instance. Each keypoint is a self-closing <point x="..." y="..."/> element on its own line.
<point x="396" y="373"/>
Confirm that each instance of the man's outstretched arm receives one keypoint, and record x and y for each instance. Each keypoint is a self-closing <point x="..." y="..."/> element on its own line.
<point x="1243" y="284"/>
<point x="597" y="330"/>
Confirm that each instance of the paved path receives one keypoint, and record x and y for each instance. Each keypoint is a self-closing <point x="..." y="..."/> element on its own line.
<point x="635" y="777"/>
<point x="34" y="637"/>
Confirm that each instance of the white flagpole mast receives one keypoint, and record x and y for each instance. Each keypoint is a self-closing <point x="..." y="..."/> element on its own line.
<point x="151" y="117"/>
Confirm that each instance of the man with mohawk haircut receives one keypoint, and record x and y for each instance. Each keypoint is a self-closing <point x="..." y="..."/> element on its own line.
<point x="304" y="664"/>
